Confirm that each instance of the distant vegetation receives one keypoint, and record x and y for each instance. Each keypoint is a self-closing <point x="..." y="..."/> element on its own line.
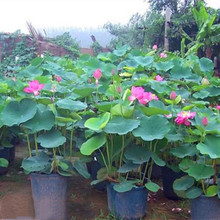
<point x="82" y="36"/>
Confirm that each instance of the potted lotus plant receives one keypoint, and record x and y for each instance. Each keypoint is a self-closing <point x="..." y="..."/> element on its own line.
<point x="201" y="166"/>
<point x="127" y="142"/>
<point x="47" y="165"/>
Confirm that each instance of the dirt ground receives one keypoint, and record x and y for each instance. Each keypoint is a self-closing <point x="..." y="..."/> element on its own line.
<point x="84" y="202"/>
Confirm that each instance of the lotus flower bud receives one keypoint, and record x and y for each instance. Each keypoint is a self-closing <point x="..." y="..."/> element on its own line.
<point x="205" y="121"/>
<point x="172" y="95"/>
<point x="218" y="107"/>
<point x="119" y="89"/>
<point x="111" y="98"/>
<point x="154" y="47"/>
<point x="113" y="72"/>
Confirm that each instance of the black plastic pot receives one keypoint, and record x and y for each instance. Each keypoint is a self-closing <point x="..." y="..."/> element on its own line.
<point x="129" y="205"/>
<point x="93" y="167"/>
<point x="168" y="177"/>
<point x="49" y="193"/>
<point x="4" y="153"/>
<point x="205" y="208"/>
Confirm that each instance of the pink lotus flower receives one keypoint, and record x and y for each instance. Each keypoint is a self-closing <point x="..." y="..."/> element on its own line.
<point x="97" y="75"/>
<point x="137" y="93"/>
<point x="147" y="97"/>
<point x="158" y="78"/>
<point x="205" y="121"/>
<point x="155" y="47"/>
<point x="58" y="78"/>
<point x="182" y="117"/>
<point x="218" y="107"/>
<point x="172" y="95"/>
<point x="34" y="87"/>
<point x="163" y="55"/>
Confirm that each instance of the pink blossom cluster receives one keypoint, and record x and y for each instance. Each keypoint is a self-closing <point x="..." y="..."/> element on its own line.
<point x="34" y="87"/>
<point x="142" y="96"/>
<point x="182" y="117"/>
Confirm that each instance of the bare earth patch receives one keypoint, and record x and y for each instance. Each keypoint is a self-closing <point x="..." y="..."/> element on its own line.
<point x="84" y="202"/>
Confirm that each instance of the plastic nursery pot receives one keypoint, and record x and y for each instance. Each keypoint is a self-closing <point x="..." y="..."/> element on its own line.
<point x="205" y="208"/>
<point x="49" y="193"/>
<point x="93" y="167"/>
<point x="4" y="153"/>
<point x="129" y="205"/>
<point x="168" y="178"/>
<point x="156" y="171"/>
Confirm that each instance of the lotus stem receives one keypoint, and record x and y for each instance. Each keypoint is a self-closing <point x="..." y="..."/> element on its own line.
<point x="55" y="159"/>
<point x="203" y="186"/>
<point x="71" y="142"/>
<point x="107" y="151"/>
<point x="122" y="150"/>
<point x="145" y="171"/>
<point x="35" y="142"/>
<point x="215" y="175"/>
<point x="103" y="158"/>
<point x="29" y="146"/>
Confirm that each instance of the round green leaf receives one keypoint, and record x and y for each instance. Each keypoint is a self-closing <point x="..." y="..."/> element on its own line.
<point x="157" y="160"/>
<point x="200" y="171"/>
<point x="36" y="163"/>
<point x="144" y="61"/>
<point x="210" y="146"/>
<point x="153" y="111"/>
<point x="152" y="128"/>
<point x="124" y="186"/>
<point x="16" y="113"/>
<point x="97" y="123"/>
<point x="92" y="144"/>
<point x="137" y="155"/>
<point x="211" y="191"/>
<point x="43" y="120"/>
<point x="164" y="66"/>
<point x="183" y="183"/>
<point x="184" y="150"/>
<point x="81" y="168"/>
<point x="51" y="139"/>
<point x="3" y="162"/>
<point x="193" y="192"/>
<point x="153" y="187"/>
<point x="71" y="105"/>
<point x="121" y="126"/>
<point x="127" y="167"/>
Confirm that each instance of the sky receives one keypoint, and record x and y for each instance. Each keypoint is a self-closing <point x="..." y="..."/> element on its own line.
<point x="69" y="13"/>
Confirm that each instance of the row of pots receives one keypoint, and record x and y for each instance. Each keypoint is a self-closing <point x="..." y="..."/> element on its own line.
<point x="50" y="193"/>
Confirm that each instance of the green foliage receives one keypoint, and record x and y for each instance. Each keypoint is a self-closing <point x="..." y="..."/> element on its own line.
<point x="66" y="41"/>
<point x="16" y="51"/>
<point x="97" y="48"/>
